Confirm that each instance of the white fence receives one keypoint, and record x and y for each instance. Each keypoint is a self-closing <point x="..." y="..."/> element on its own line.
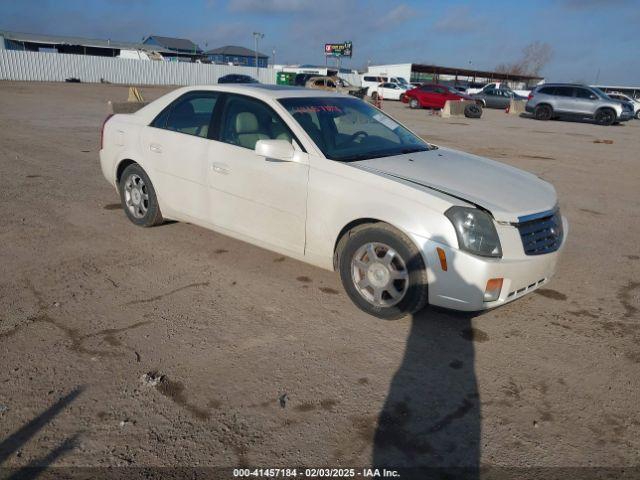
<point x="57" y="67"/>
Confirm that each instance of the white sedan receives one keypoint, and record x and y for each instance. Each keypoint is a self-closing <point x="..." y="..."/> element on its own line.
<point x="388" y="91"/>
<point x="332" y="181"/>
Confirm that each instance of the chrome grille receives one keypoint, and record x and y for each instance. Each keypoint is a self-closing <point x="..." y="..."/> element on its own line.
<point x="541" y="233"/>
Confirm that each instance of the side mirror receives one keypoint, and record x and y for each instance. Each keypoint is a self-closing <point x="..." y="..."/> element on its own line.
<point x="277" y="149"/>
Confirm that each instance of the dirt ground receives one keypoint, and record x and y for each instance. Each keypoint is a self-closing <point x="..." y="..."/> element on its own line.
<point x="265" y="360"/>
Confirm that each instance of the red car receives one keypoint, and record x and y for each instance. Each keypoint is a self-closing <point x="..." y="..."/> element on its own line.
<point x="432" y="95"/>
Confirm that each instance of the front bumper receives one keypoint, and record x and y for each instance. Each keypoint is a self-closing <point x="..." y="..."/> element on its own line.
<point x="462" y="285"/>
<point x="625" y="116"/>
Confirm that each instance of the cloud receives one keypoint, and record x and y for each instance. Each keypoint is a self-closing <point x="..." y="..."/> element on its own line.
<point x="395" y="17"/>
<point x="269" y="6"/>
<point x="457" y="20"/>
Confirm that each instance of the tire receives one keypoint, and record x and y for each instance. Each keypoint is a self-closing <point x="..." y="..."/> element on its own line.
<point x="401" y="97"/>
<point x="605" y="117"/>
<point x="398" y="268"/>
<point x="138" y="197"/>
<point x="638" y="115"/>
<point x="473" y="111"/>
<point x="543" y="112"/>
<point x="413" y="103"/>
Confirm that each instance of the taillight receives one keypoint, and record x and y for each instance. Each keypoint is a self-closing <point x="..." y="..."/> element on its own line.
<point x="530" y="96"/>
<point x="102" y="130"/>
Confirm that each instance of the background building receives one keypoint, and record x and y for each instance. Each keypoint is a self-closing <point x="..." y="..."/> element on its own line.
<point x="35" y="42"/>
<point x="237" y="56"/>
<point x="182" y="48"/>
<point x="465" y="77"/>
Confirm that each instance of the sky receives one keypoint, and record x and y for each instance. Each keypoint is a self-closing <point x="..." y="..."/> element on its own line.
<point x="593" y="41"/>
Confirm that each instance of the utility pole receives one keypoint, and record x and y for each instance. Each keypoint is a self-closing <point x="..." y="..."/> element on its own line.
<point x="257" y="36"/>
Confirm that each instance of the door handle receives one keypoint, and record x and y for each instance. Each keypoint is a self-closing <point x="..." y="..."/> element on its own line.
<point x="221" y="168"/>
<point x="154" y="147"/>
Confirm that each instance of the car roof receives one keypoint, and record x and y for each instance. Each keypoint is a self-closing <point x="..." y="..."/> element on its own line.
<point x="264" y="91"/>
<point x="563" y="85"/>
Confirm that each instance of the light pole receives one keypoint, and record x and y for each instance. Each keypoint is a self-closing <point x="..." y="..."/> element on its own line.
<point x="257" y="36"/>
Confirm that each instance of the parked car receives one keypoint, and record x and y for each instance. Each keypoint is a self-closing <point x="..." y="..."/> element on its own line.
<point x="432" y="95"/>
<point x="237" y="78"/>
<point x="334" y="182"/>
<point x="335" y="84"/>
<point x="373" y="80"/>
<point x="499" y="86"/>
<point x="301" y="78"/>
<point x="625" y="98"/>
<point x="496" y="97"/>
<point x="558" y="100"/>
<point x="388" y="91"/>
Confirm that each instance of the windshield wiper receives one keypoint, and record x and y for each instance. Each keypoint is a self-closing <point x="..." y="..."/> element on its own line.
<point x="414" y="149"/>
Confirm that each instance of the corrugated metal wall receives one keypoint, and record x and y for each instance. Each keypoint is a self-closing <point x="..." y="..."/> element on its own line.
<point x="56" y="67"/>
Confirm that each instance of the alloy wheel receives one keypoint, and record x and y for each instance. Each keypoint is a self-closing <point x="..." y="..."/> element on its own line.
<point x="136" y="196"/>
<point x="379" y="274"/>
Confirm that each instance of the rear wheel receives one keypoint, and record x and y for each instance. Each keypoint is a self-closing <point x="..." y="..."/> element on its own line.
<point x="138" y="197"/>
<point x="382" y="271"/>
<point x="413" y="103"/>
<point x="543" y="112"/>
<point x="605" y="116"/>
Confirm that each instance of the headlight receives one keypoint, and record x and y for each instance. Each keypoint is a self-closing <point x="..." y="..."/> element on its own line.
<point x="475" y="230"/>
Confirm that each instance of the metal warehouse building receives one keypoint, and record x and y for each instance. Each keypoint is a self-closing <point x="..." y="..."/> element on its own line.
<point x="416" y="72"/>
<point x="237" y="56"/>
<point x="168" y="48"/>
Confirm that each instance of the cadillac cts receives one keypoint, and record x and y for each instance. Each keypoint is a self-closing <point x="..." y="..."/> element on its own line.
<point x="332" y="181"/>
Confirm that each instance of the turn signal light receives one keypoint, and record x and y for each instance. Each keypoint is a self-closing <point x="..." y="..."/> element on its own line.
<point x="443" y="258"/>
<point x="492" y="292"/>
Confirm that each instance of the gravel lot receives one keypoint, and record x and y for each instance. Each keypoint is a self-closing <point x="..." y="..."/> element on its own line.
<point x="265" y="360"/>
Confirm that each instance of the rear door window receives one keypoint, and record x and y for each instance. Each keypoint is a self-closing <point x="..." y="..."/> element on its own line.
<point x="190" y="114"/>
<point x="564" y="91"/>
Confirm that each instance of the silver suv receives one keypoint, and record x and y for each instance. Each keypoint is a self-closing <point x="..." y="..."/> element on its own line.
<point x="553" y="100"/>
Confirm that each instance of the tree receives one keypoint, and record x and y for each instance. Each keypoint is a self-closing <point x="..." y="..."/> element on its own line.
<point x="534" y="57"/>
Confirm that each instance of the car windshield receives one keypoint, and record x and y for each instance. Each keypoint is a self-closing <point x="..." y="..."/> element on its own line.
<point x="348" y="129"/>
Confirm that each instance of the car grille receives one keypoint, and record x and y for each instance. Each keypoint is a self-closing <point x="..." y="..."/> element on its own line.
<point x="541" y="233"/>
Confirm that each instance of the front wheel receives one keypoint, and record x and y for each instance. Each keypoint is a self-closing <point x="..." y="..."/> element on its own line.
<point x="605" y="117"/>
<point x="413" y="103"/>
<point x="138" y="197"/>
<point x="382" y="271"/>
<point x="638" y="115"/>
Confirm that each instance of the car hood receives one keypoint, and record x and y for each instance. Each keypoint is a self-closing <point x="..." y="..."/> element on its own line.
<point x="505" y="191"/>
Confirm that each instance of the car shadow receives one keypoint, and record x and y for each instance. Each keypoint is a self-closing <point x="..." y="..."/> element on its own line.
<point x="570" y="120"/>
<point x="430" y="423"/>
